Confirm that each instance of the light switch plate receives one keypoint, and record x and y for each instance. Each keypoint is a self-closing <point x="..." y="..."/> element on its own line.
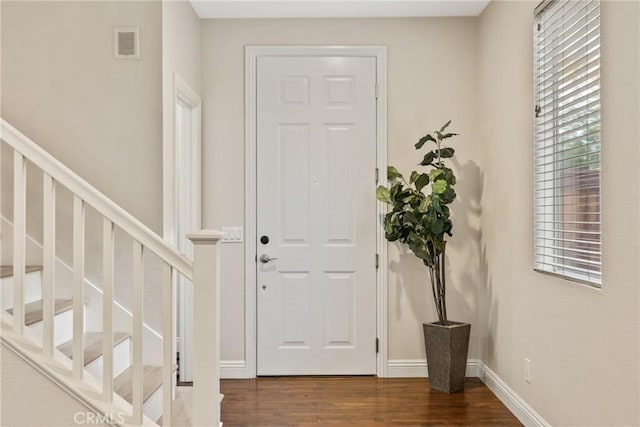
<point x="232" y="234"/>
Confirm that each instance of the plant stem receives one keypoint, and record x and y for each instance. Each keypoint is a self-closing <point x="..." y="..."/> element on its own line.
<point x="443" y="279"/>
<point x="435" y="274"/>
<point x="433" y="289"/>
<point x="440" y="296"/>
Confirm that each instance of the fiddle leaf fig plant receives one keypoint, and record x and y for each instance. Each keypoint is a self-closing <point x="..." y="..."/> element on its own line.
<point x="419" y="215"/>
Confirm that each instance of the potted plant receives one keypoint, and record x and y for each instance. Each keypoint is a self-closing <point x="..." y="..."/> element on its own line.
<point x="419" y="218"/>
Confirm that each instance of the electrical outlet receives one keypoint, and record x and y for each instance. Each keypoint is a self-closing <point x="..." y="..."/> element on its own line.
<point x="527" y="370"/>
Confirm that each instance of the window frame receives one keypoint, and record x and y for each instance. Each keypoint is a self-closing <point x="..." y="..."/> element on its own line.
<point x="550" y="246"/>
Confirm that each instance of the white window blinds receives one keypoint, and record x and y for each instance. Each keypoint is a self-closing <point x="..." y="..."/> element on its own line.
<point x="567" y="139"/>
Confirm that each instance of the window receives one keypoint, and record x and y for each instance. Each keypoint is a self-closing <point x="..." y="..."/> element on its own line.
<point x="567" y="139"/>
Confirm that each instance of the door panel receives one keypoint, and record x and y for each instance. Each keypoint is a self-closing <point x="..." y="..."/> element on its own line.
<point x="316" y="157"/>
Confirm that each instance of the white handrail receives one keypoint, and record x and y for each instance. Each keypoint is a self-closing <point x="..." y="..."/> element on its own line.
<point x="93" y="197"/>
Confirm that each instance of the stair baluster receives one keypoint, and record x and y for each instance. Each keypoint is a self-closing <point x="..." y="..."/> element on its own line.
<point x="78" y="286"/>
<point x="108" y="239"/>
<point x="48" y="262"/>
<point x="168" y="344"/>
<point x="19" y="233"/>
<point x="137" y="391"/>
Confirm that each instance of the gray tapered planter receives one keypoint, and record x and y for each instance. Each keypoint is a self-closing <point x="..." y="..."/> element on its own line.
<point x="447" y="347"/>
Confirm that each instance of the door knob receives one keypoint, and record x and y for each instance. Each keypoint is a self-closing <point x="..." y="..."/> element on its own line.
<point x="264" y="258"/>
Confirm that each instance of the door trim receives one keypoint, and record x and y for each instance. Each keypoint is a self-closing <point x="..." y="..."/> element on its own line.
<point x="252" y="53"/>
<point x="181" y="90"/>
<point x="182" y="321"/>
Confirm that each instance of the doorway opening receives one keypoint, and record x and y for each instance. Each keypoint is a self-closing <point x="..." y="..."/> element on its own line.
<point x="186" y="210"/>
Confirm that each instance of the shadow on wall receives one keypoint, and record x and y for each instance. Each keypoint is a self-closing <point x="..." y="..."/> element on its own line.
<point x="464" y="247"/>
<point x="486" y="306"/>
<point x="489" y="320"/>
<point x="474" y="278"/>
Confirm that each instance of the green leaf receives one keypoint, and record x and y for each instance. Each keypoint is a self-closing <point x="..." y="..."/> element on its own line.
<point x="422" y="181"/>
<point x="437" y="227"/>
<point x="448" y="175"/>
<point x="410" y="218"/>
<point x="413" y="177"/>
<point x="424" y="205"/>
<point x="392" y="236"/>
<point x="382" y="194"/>
<point x="448" y="196"/>
<point x="416" y="199"/>
<point x="436" y="205"/>
<point x="449" y="135"/>
<point x="395" y="190"/>
<point x="440" y="186"/>
<point x="392" y="173"/>
<point x="395" y="220"/>
<point x="423" y="140"/>
<point x="448" y="226"/>
<point x="428" y="158"/>
<point x="417" y="245"/>
<point x="434" y="174"/>
<point x="446" y="125"/>
<point x="446" y="153"/>
<point x="407" y="196"/>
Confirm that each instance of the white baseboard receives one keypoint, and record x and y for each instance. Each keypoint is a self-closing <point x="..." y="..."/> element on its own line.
<point x="233" y="369"/>
<point x="521" y="409"/>
<point x="417" y="368"/>
<point x="406" y="368"/>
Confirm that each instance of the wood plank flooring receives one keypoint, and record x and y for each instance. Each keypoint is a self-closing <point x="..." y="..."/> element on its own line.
<point x="358" y="401"/>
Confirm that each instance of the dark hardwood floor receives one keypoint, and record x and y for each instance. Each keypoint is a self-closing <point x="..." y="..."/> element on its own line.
<point x="358" y="401"/>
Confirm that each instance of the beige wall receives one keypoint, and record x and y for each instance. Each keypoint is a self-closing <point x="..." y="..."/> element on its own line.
<point x="181" y="52"/>
<point x="23" y="387"/>
<point x="432" y="78"/>
<point x="100" y="116"/>
<point x="62" y="87"/>
<point x="583" y="343"/>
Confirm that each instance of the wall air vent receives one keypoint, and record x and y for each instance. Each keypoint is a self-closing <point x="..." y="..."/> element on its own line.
<point x="126" y="43"/>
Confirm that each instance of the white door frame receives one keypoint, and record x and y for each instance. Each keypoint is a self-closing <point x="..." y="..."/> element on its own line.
<point x="182" y="92"/>
<point x="252" y="53"/>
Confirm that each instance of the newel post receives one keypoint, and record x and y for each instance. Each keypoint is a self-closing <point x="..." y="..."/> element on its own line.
<point x="206" y="327"/>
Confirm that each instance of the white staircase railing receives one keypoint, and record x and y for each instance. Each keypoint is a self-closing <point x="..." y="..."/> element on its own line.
<point x="203" y="272"/>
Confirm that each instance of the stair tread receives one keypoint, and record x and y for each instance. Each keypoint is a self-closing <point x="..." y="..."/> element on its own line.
<point x="152" y="380"/>
<point x="7" y="270"/>
<point x="181" y="407"/>
<point x="33" y="310"/>
<point x="92" y="345"/>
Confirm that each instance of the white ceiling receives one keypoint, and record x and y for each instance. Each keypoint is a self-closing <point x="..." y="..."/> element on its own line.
<point x="336" y="9"/>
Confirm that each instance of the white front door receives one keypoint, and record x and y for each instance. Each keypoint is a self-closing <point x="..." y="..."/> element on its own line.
<point x="316" y="206"/>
